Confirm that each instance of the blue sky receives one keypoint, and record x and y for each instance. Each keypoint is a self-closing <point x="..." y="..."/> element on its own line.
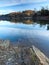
<point x="7" y="6"/>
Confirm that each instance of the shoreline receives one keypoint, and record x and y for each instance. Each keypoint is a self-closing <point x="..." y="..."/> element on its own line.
<point x="43" y="59"/>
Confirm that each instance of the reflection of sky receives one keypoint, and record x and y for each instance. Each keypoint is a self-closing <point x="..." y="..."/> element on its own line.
<point x="13" y="31"/>
<point x="29" y="33"/>
<point x="7" y="33"/>
<point x="23" y="26"/>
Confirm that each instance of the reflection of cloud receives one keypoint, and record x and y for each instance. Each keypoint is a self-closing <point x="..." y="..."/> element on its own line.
<point x="15" y="2"/>
<point x="26" y="31"/>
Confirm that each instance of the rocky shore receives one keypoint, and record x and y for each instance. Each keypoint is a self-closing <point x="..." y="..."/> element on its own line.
<point x="17" y="55"/>
<point x="43" y="59"/>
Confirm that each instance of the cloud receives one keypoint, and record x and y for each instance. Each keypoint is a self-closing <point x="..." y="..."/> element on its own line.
<point x="6" y="11"/>
<point x="4" y="3"/>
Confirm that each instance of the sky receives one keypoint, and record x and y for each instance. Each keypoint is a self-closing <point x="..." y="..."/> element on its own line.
<point x="8" y="6"/>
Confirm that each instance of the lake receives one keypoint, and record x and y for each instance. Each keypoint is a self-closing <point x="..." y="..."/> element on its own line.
<point x="34" y="33"/>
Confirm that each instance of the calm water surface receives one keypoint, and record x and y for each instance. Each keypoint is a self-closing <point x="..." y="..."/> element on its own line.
<point x="35" y="33"/>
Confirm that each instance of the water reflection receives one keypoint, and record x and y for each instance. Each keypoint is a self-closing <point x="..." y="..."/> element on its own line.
<point x="28" y="31"/>
<point x="48" y="27"/>
<point x="26" y="24"/>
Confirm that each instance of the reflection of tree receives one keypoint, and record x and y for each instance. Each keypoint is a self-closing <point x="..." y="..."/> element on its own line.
<point x="28" y="21"/>
<point x="42" y="23"/>
<point x="48" y="27"/>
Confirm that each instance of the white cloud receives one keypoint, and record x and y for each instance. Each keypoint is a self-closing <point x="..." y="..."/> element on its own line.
<point x="6" y="11"/>
<point x="39" y="0"/>
<point x="16" y="2"/>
